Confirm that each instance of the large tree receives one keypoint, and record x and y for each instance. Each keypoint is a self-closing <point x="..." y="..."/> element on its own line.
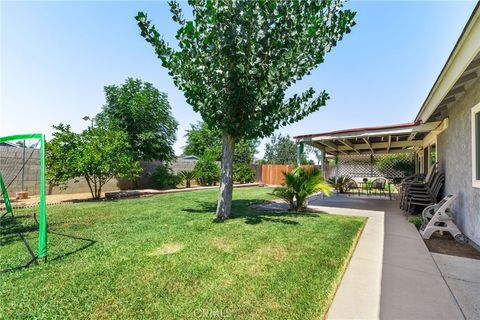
<point x="236" y="59"/>
<point x="203" y="141"/>
<point x="281" y="150"/>
<point x="97" y="154"/>
<point x="143" y="112"/>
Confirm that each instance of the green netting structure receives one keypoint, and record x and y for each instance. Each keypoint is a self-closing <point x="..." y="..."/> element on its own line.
<point x="22" y="184"/>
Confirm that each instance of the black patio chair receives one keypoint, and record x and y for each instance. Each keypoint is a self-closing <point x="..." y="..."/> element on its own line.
<point x="379" y="185"/>
<point x="352" y="185"/>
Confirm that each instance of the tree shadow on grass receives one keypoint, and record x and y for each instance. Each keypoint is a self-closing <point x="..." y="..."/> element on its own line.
<point x="241" y="209"/>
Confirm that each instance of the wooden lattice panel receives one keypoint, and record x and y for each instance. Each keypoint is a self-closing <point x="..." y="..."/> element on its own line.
<point x="364" y="166"/>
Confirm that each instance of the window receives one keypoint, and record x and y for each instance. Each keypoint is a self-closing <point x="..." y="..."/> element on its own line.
<point x="476" y="146"/>
<point x="432" y="154"/>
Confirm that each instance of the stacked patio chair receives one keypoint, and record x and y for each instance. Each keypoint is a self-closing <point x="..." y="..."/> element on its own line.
<point x="415" y="181"/>
<point x="379" y="185"/>
<point x="423" y="195"/>
<point x="418" y="177"/>
<point x="439" y="217"/>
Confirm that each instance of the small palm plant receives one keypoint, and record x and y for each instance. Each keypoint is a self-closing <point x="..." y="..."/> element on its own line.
<point x="339" y="183"/>
<point x="188" y="176"/>
<point x="299" y="185"/>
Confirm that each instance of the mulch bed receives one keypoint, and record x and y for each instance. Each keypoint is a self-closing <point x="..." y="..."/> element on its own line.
<point x="445" y="244"/>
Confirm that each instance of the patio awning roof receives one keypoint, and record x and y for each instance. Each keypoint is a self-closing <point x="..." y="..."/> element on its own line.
<point x="398" y="138"/>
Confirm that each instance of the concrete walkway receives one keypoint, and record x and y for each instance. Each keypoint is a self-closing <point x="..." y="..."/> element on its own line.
<point x="391" y="275"/>
<point x="463" y="278"/>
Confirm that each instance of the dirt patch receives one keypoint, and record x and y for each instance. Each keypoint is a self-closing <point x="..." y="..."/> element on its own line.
<point x="221" y="244"/>
<point x="445" y="244"/>
<point x="275" y="252"/>
<point x="167" y="248"/>
<point x="257" y="263"/>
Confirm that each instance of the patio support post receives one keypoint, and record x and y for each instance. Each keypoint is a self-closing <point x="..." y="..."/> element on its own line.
<point x="324" y="169"/>
<point x="371" y="165"/>
<point x="336" y="164"/>
<point x="299" y="152"/>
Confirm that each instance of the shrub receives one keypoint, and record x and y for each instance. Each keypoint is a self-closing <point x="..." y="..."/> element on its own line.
<point x="164" y="178"/>
<point x="417" y="221"/>
<point x="299" y="185"/>
<point x="402" y="163"/>
<point x="242" y="173"/>
<point x="339" y="183"/>
<point x="207" y="171"/>
<point x="187" y="176"/>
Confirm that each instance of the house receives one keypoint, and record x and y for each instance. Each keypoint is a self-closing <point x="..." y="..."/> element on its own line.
<point x="190" y="157"/>
<point x="446" y="129"/>
<point x="9" y="144"/>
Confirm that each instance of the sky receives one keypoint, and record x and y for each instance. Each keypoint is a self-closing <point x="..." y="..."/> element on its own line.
<point x="56" y="57"/>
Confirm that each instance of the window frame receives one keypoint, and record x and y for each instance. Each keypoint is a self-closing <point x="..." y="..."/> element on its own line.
<point x="475" y="174"/>
<point x="421" y="167"/>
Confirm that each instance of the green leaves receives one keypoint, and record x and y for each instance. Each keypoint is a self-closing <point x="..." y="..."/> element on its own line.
<point x="203" y="141"/>
<point x="236" y="59"/>
<point x="281" y="150"/>
<point x="96" y="154"/>
<point x="189" y="29"/>
<point x="299" y="184"/>
<point x="144" y="113"/>
<point x="207" y="171"/>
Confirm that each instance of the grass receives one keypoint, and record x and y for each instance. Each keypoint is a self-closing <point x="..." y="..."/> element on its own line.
<point x="163" y="257"/>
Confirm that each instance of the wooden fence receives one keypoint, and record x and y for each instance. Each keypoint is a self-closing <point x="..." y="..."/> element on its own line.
<point x="272" y="174"/>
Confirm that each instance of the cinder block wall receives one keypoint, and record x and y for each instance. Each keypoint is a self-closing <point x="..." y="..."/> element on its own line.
<point x="11" y="165"/>
<point x="11" y="162"/>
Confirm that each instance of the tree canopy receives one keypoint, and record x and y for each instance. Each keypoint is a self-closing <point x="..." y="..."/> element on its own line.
<point x="203" y="141"/>
<point x="143" y="112"/>
<point x="282" y="150"/>
<point x="236" y="59"/>
<point x="96" y="154"/>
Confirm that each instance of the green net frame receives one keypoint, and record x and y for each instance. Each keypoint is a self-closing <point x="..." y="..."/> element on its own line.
<point x="42" y="221"/>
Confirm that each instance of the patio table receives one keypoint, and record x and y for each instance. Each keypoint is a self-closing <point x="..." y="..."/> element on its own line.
<point x="368" y="186"/>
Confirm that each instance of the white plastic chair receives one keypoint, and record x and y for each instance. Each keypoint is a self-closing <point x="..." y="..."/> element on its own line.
<point x="439" y="217"/>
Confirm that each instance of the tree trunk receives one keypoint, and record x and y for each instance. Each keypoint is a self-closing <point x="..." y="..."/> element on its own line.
<point x="90" y="186"/>
<point x="224" y="204"/>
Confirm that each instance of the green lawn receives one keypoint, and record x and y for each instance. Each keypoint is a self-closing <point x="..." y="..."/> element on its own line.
<point x="163" y="257"/>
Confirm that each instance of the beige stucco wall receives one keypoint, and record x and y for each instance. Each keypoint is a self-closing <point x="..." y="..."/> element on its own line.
<point x="455" y="158"/>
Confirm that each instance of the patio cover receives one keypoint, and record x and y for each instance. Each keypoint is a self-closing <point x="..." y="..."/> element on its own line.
<point x="398" y="138"/>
